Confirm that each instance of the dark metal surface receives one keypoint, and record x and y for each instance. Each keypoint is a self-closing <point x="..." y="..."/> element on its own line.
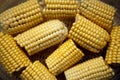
<point x="6" y="4"/>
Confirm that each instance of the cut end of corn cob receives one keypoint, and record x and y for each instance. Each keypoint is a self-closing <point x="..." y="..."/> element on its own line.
<point x="88" y="35"/>
<point x="21" y="18"/>
<point x="60" y="9"/>
<point x="12" y="58"/>
<point x="100" y="13"/>
<point x="64" y="57"/>
<point x="113" y="51"/>
<point x="42" y="36"/>
<point x="37" y="71"/>
<point x="94" y="69"/>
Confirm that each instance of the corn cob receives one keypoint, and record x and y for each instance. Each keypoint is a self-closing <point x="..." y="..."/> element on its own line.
<point x="88" y="35"/>
<point x="37" y="71"/>
<point x="60" y="9"/>
<point x="21" y="17"/>
<point x="97" y="11"/>
<point x="64" y="57"/>
<point x="94" y="69"/>
<point x="12" y="58"/>
<point x="113" y="51"/>
<point x="42" y="36"/>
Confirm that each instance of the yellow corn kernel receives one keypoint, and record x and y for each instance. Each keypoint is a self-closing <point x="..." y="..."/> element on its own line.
<point x="64" y="57"/>
<point x="113" y="51"/>
<point x="60" y="9"/>
<point x="21" y="18"/>
<point x="88" y="35"/>
<point x="37" y="71"/>
<point x="42" y="36"/>
<point x="100" y="13"/>
<point x="93" y="69"/>
<point x="1" y="34"/>
<point x="12" y="58"/>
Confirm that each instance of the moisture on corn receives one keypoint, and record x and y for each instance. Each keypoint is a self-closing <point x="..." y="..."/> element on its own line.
<point x="60" y="9"/>
<point x="113" y="51"/>
<point x="64" y="57"/>
<point x="21" y="18"/>
<point x="12" y="57"/>
<point x="100" y="13"/>
<point x="42" y="36"/>
<point x="93" y="69"/>
<point x="37" y="71"/>
<point x="88" y="35"/>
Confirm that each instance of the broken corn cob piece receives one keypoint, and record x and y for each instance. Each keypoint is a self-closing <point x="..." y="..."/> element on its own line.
<point x="12" y="57"/>
<point x="99" y="12"/>
<point x="88" y="35"/>
<point x="42" y="36"/>
<point x="21" y="18"/>
<point x="113" y="51"/>
<point x="37" y="71"/>
<point x="60" y="9"/>
<point x="64" y="57"/>
<point x="94" y="69"/>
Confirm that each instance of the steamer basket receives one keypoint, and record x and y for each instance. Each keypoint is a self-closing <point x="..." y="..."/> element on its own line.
<point x="6" y="4"/>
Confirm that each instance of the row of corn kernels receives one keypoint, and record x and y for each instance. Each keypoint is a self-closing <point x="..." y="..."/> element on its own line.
<point x="87" y="34"/>
<point x="31" y="13"/>
<point x="62" y="58"/>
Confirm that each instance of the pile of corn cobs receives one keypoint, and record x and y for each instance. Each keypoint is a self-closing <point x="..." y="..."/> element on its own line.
<point x="34" y="26"/>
